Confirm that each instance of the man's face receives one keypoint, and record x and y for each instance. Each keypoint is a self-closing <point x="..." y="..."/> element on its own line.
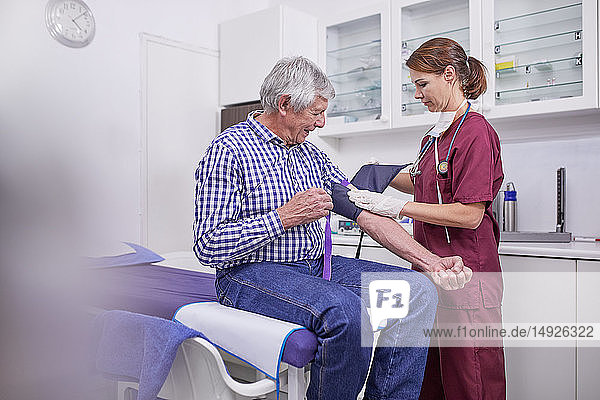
<point x="300" y="124"/>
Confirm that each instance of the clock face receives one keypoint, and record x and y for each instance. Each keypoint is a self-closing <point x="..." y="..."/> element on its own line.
<point x="70" y="22"/>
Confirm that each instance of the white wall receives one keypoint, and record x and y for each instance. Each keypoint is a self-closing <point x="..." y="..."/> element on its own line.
<point x="79" y="109"/>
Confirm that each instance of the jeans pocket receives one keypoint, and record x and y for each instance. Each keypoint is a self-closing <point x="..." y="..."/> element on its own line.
<point x="221" y="285"/>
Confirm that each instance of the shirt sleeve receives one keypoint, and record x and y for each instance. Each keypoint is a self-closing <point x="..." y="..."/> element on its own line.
<point x="474" y="165"/>
<point x="331" y="173"/>
<point x="219" y="235"/>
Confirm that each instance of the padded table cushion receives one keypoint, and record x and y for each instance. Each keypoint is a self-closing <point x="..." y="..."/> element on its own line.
<point x="160" y="291"/>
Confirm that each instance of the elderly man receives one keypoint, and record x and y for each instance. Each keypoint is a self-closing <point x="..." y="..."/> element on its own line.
<point x="261" y="189"/>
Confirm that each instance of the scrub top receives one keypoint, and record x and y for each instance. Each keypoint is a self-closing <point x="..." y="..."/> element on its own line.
<point x="474" y="175"/>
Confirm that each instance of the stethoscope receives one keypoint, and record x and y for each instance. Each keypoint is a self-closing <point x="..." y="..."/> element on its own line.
<point x="441" y="167"/>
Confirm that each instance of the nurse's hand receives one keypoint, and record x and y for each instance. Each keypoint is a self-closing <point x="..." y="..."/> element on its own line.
<point x="377" y="203"/>
<point x="450" y="273"/>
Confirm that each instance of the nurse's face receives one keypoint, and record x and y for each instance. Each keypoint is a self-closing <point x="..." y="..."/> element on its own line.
<point x="433" y="90"/>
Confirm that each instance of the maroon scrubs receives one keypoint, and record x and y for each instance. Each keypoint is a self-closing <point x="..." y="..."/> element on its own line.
<point x="474" y="175"/>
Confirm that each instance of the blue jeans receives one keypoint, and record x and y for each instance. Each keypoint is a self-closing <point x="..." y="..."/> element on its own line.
<point x="336" y="313"/>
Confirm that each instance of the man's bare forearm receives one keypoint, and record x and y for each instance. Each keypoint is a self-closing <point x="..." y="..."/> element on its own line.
<point x="393" y="237"/>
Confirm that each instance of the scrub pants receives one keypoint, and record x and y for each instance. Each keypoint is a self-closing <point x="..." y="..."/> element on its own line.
<point x="465" y="373"/>
<point x="336" y="313"/>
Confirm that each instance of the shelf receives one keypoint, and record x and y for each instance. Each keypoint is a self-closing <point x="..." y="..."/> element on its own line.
<point x="359" y="91"/>
<point x="529" y="40"/>
<point x="372" y="48"/>
<point x="449" y="33"/>
<point x="355" y="71"/>
<point x="414" y="108"/>
<point x="372" y="74"/>
<point x="541" y="67"/>
<point x="539" y="93"/>
<point x="366" y="111"/>
<point x="543" y="15"/>
<point x="410" y="87"/>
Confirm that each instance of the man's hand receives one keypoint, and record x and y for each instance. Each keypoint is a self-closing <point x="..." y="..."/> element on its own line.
<point x="450" y="273"/>
<point x="305" y="207"/>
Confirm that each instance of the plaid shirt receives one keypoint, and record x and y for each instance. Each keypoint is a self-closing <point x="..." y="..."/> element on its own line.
<point x="245" y="175"/>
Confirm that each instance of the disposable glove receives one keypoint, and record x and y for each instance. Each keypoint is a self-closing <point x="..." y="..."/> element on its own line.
<point x="377" y="203"/>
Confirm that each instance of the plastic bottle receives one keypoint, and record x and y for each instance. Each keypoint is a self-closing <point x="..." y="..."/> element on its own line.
<point x="510" y="208"/>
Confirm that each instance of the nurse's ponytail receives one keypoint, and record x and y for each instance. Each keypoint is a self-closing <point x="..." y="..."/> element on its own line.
<point x="436" y="54"/>
<point x="474" y="84"/>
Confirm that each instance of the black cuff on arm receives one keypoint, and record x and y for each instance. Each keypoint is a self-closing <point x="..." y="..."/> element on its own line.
<point x="342" y="204"/>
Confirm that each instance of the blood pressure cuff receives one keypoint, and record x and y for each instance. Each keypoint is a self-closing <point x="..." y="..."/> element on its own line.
<point x="373" y="177"/>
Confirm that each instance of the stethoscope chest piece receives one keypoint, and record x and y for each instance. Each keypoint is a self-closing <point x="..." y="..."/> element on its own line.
<point x="443" y="168"/>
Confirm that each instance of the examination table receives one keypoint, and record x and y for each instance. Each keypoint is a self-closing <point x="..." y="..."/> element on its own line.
<point x="199" y="371"/>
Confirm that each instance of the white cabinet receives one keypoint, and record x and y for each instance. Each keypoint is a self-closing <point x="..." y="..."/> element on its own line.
<point x="413" y="23"/>
<point x="531" y="294"/>
<point x="542" y="56"/>
<point x="355" y="53"/>
<point x="364" y="53"/>
<point x="588" y="311"/>
<point x="251" y="45"/>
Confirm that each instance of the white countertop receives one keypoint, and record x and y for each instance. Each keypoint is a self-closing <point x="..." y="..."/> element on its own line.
<point x="573" y="250"/>
<point x="578" y="250"/>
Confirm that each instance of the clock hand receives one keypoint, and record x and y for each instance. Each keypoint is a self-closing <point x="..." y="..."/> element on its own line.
<point x="76" y="24"/>
<point x="77" y="17"/>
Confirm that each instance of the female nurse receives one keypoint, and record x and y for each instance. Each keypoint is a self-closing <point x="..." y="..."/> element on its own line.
<point x="457" y="174"/>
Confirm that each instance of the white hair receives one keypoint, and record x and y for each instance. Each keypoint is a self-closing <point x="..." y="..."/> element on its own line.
<point x="297" y="77"/>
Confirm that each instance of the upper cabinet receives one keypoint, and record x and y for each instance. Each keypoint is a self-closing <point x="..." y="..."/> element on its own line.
<point x="413" y="23"/>
<point x="364" y="54"/>
<point x="542" y="56"/>
<point x="251" y="45"/>
<point x="355" y="54"/>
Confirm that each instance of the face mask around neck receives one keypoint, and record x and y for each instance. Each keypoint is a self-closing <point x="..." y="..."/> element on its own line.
<point x="445" y="120"/>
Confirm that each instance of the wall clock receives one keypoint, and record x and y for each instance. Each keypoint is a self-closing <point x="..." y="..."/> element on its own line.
<point x="70" y="22"/>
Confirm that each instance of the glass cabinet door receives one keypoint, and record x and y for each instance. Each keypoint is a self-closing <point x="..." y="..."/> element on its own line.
<point x="543" y="52"/>
<point x="355" y="55"/>
<point x="538" y="54"/>
<point x="354" y="68"/>
<point x="420" y="22"/>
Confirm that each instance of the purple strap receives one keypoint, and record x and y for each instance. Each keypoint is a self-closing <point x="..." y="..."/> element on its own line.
<point x="328" y="243"/>
<point x="328" y="249"/>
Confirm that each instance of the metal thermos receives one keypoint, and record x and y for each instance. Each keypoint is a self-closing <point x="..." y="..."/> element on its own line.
<point x="510" y="208"/>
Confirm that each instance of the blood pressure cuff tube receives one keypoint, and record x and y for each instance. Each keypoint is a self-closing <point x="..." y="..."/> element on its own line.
<point x="373" y="177"/>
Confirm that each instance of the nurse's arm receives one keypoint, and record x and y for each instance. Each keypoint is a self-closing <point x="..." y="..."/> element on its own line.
<point x="403" y="183"/>
<point x="457" y="215"/>
<point x="393" y="237"/>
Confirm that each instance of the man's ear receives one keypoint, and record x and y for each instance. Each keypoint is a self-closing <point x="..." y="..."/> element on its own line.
<point x="283" y="104"/>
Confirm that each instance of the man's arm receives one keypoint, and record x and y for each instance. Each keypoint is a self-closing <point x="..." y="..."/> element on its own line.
<point x="450" y="272"/>
<point x="220" y="236"/>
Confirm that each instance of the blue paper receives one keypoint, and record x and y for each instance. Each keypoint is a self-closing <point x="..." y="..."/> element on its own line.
<point x="141" y="256"/>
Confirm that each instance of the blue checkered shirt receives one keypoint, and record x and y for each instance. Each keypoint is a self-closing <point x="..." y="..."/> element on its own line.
<point x="245" y="175"/>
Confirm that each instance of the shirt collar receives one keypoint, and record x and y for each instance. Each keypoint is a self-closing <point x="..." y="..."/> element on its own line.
<point x="262" y="131"/>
